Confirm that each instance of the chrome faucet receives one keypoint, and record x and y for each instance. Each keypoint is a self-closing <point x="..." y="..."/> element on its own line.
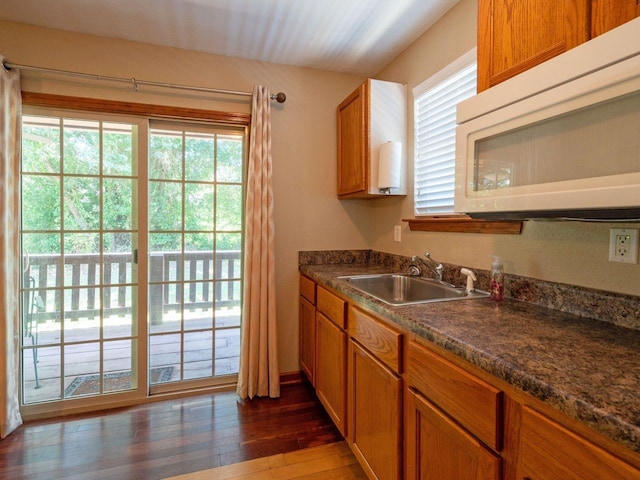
<point x="429" y="264"/>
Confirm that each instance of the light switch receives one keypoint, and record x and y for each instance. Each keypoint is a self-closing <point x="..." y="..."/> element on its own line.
<point x="397" y="233"/>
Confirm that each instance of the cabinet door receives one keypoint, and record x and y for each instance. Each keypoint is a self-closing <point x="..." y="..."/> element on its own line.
<point x="307" y="334"/>
<point x="438" y="449"/>
<point x="549" y="451"/>
<point x="515" y="35"/>
<point x="353" y="143"/>
<point x="608" y="14"/>
<point x="374" y="411"/>
<point x="331" y="369"/>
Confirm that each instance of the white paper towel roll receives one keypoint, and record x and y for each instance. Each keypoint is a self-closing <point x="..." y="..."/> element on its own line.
<point x="389" y="165"/>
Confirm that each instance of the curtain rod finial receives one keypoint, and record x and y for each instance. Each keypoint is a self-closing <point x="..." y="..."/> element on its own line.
<point x="279" y="97"/>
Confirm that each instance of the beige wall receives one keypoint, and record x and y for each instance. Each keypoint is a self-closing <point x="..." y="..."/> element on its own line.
<point x="308" y="215"/>
<point x="566" y="252"/>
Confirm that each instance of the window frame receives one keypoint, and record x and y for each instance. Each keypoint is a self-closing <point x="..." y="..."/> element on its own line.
<point x="450" y="221"/>
<point x="425" y="88"/>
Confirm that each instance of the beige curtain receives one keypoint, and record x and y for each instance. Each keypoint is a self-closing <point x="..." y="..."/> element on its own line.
<point x="259" y="373"/>
<point x="10" y="110"/>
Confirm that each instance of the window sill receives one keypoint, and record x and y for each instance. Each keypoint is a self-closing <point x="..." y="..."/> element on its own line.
<point x="463" y="224"/>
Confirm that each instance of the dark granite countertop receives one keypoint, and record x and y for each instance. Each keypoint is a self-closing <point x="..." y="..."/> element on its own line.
<point x="588" y="369"/>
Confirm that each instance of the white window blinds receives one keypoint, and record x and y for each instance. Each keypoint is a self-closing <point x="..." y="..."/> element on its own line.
<point x="435" y="102"/>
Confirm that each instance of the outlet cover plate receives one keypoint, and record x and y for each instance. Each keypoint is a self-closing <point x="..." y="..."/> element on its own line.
<point x="623" y="245"/>
<point x="397" y="233"/>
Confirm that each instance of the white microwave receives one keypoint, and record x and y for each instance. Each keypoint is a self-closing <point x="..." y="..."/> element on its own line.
<point x="559" y="140"/>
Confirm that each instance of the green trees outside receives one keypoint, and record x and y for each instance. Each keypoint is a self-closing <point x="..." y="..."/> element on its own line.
<point x="65" y="183"/>
<point x="207" y="170"/>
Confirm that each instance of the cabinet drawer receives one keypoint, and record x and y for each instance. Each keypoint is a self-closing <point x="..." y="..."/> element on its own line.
<point x="383" y="342"/>
<point x="475" y="404"/>
<point x="333" y="307"/>
<point x="437" y="448"/>
<point x="549" y="451"/>
<point x="308" y="289"/>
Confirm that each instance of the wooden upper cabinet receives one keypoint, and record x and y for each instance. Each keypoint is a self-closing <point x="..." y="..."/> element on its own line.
<point x="353" y="139"/>
<point x="515" y="35"/>
<point x="374" y="113"/>
<point x="608" y="14"/>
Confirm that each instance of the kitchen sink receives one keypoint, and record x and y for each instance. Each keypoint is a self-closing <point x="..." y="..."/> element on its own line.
<point x="399" y="289"/>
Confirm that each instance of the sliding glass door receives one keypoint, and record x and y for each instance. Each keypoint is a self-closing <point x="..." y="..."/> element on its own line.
<point x="132" y="248"/>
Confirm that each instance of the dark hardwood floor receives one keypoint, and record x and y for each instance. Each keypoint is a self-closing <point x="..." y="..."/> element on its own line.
<point x="167" y="438"/>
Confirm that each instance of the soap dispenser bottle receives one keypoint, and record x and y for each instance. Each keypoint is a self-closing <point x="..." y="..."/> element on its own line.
<point x="497" y="280"/>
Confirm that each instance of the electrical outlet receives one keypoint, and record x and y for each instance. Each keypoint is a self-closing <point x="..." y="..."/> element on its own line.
<point x="623" y="245"/>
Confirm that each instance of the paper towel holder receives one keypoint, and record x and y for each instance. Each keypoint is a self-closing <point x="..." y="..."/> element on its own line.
<point x="389" y="166"/>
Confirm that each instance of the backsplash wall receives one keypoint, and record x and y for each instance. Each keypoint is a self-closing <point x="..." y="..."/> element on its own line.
<point x="619" y="309"/>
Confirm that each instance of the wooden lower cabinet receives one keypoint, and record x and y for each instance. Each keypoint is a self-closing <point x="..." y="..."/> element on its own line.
<point x="307" y="328"/>
<point x="412" y="411"/>
<point x="548" y="451"/>
<point x="375" y="413"/>
<point x="331" y="370"/>
<point x="472" y="402"/>
<point x="307" y="319"/>
<point x="439" y="449"/>
<point x="453" y="421"/>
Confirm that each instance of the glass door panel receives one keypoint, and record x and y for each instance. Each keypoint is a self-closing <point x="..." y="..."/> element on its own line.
<point x="79" y="195"/>
<point x="195" y="239"/>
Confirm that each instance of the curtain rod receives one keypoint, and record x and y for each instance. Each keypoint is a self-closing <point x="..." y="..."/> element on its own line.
<point x="279" y="97"/>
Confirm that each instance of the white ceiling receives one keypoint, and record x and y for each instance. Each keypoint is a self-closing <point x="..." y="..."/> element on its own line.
<point x="352" y="36"/>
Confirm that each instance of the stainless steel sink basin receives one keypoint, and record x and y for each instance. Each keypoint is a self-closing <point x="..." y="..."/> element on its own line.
<point x="398" y="289"/>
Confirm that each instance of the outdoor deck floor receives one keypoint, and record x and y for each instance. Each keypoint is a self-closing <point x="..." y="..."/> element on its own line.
<point x="165" y="350"/>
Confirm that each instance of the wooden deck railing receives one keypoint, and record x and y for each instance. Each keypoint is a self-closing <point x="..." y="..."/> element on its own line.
<point x="44" y="279"/>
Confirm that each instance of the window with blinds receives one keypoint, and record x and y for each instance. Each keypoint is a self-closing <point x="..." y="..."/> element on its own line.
<point x="435" y="102"/>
